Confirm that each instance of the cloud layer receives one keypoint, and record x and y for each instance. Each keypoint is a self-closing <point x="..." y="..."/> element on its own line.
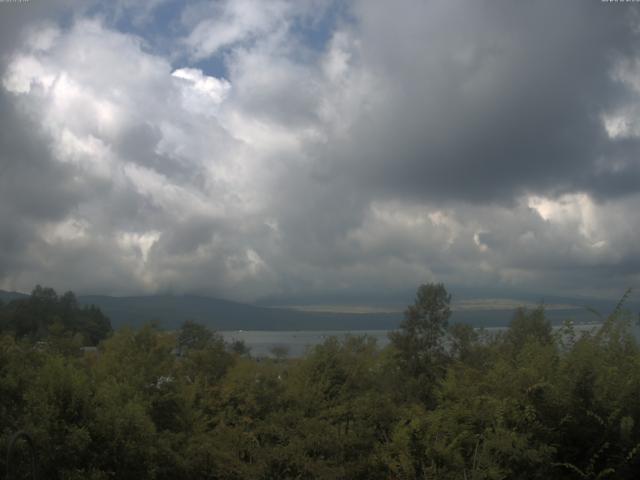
<point x="300" y="149"/>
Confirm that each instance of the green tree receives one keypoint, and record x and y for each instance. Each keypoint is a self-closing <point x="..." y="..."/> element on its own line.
<point x="239" y="347"/>
<point x="34" y="317"/>
<point x="463" y="341"/>
<point x="418" y="343"/>
<point x="529" y="325"/>
<point x="194" y="336"/>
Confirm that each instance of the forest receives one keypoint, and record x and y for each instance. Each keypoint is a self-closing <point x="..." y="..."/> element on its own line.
<point x="441" y="401"/>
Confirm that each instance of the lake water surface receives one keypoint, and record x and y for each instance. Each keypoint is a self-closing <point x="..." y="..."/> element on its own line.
<point x="296" y="343"/>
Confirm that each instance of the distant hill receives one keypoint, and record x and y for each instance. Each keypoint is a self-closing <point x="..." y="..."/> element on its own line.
<point x="8" y="296"/>
<point x="169" y="311"/>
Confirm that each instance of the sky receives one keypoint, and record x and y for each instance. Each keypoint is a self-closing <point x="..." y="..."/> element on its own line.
<point x="317" y="151"/>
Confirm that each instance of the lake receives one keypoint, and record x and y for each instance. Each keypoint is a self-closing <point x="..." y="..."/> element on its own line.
<point x="296" y="343"/>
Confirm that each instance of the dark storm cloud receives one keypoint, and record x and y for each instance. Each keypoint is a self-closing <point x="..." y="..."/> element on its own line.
<point x="488" y="100"/>
<point x="37" y="192"/>
<point x="32" y="187"/>
<point x="615" y="170"/>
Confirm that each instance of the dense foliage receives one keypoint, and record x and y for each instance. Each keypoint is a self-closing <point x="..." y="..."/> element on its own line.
<point x="46" y="316"/>
<point x="440" y="402"/>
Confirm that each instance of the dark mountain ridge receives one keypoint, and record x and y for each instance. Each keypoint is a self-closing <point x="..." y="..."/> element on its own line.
<point x="170" y="311"/>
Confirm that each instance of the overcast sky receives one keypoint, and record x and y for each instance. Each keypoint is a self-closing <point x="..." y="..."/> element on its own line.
<point x="308" y="150"/>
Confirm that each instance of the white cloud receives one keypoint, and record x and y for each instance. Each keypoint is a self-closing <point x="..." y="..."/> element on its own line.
<point x="417" y="144"/>
<point x="70" y="229"/>
<point x="185" y="165"/>
<point x="232" y="21"/>
<point x="201" y="94"/>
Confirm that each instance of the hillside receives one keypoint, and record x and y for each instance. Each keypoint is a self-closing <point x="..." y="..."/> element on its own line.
<point x="171" y="310"/>
<point x="8" y="296"/>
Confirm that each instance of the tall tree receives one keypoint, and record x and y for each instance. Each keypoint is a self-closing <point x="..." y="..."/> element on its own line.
<point x="418" y="343"/>
<point x="194" y="336"/>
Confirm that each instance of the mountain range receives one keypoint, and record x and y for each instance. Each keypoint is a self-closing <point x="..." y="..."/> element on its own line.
<point x="170" y="311"/>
